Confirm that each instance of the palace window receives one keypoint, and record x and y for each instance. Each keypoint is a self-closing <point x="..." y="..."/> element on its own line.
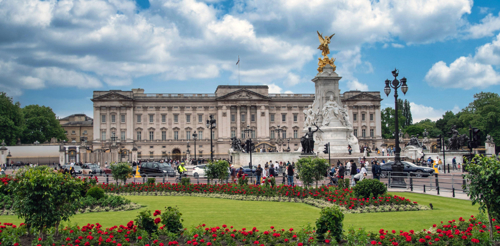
<point x="200" y="135"/>
<point x="283" y="117"/>
<point x="122" y="118"/>
<point x="163" y="118"/>
<point x="151" y="135"/>
<point x="233" y="133"/>
<point x="371" y="117"/>
<point x="272" y="117"/>
<point x="362" y="117"/>
<point x="85" y="132"/>
<point x="139" y="136"/>
<point x="243" y="135"/>
<point x="242" y="117"/>
<point x="253" y="134"/>
<point x="163" y="135"/>
<point x="188" y="135"/>
<point x="103" y="136"/>
<point x="354" y="116"/>
<point x="363" y="132"/>
<point x="73" y="132"/>
<point x="371" y="132"/>
<point x="151" y="155"/>
<point x="272" y="134"/>
<point x="356" y="132"/>
<point x="233" y="117"/>
<point x="113" y="118"/>
<point x="295" y="134"/>
<point x="176" y="118"/>
<point x="295" y="117"/>
<point x="151" y="118"/>
<point x="139" y="155"/>
<point x="103" y="118"/>
<point x="122" y="135"/>
<point x="139" y="118"/>
<point x="188" y="118"/>
<point x="176" y="135"/>
<point x="200" y="118"/>
<point x="252" y="117"/>
<point x="283" y="134"/>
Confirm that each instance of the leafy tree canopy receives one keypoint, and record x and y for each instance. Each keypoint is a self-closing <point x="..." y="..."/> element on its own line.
<point x="41" y="125"/>
<point x="11" y="120"/>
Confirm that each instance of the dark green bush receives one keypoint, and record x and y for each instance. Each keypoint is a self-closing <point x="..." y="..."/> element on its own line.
<point x="369" y="187"/>
<point x="343" y="183"/>
<point x="172" y="221"/>
<point x="150" y="181"/>
<point x="330" y="221"/>
<point x="96" y="193"/>
<point x="146" y="222"/>
<point x="185" y="181"/>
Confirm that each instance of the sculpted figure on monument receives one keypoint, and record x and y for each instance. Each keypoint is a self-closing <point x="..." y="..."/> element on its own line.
<point x="331" y="111"/>
<point x="236" y="144"/>
<point x="454" y="141"/>
<point x="307" y="141"/>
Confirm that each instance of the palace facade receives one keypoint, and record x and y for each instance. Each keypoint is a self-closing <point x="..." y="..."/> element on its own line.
<point x="161" y="125"/>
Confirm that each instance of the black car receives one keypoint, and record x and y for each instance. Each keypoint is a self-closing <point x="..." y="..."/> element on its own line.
<point x="247" y="171"/>
<point x="156" y="169"/>
<point x="409" y="167"/>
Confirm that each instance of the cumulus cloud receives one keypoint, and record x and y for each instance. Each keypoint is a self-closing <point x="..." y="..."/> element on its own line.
<point x="86" y="44"/>
<point x="421" y="112"/>
<point x="274" y="88"/>
<point x="468" y="72"/>
<point x="488" y="26"/>
<point x="395" y="45"/>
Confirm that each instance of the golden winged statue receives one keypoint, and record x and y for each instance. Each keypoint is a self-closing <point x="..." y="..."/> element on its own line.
<point x="323" y="43"/>
<point x="325" y="50"/>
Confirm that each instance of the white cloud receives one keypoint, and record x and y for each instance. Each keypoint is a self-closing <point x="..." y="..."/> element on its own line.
<point x="395" y="45"/>
<point x="274" y="88"/>
<point x="288" y="92"/>
<point x="484" y="10"/>
<point x="421" y="112"/>
<point x="488" y="26"/>
<point x="468" y="72"/>
<point x="356" y="85"/>
<point x="293" y="79"/>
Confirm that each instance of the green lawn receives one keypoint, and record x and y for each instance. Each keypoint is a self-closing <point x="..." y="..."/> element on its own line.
<point x="215" y="212"/>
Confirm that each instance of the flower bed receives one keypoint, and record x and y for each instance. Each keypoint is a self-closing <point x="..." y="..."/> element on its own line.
<point x="461" y="232"/>
<point x="319" y="197"/>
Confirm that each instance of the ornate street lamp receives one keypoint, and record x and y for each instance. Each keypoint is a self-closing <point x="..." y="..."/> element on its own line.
<point x="397" y="167"/>
<point x="249" y="143"/>
<point x="211" y="123"/>
<point x="194" y="137"/>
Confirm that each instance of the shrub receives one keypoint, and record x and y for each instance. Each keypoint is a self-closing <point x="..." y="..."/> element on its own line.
<point x="311" y="170"/>
<point x="172" y="221"/>
<point x="243" y="180"/>
<point x="369" y="187"/>
<point x="330" y="220"/>
<point x="121" y="171"/>
<point x="150" y="181"/>
<point x="185" y="181"/>
<point x="146" y="222"/>
<point x="41" y="203"/>
<point x="217" y="170"/>
<point x="96" y="193"/>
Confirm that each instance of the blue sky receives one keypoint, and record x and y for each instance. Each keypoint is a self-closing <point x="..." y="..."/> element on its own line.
<point x="55" y="53"/>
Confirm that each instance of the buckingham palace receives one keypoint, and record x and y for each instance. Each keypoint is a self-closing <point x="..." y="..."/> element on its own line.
<point x="162" y="125"/>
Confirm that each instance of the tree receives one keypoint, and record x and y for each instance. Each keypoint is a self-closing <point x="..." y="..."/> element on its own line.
<point x="311" y="170"/>
<point x="121" y="171"/>
<point x="217" y="170"/>
<point x="41" y="125"/>
<point x="11" y="120"/>
<point x="483" y="113"/>
<point x="44" y="198"/>
<point x="405" y="108"/>
<point x="388" y="122"/>
<point x="414" y="130"/>
<point x="484" y="177"/>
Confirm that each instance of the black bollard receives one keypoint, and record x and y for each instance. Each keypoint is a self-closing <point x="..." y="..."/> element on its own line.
<point x="453" y="190"/>
<point x="437" y="189"/>
<point x="411" y="183"/>
<point x="107" y="179"/>
<point x="424" y="188"/>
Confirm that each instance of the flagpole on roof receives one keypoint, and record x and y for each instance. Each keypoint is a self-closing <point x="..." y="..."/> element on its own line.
<point x="238" y="63"/>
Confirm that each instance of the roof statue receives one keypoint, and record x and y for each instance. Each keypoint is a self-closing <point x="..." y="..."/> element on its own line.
<point x="325" y="50"/>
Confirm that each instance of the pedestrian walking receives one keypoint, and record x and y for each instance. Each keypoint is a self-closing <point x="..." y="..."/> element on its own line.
<point x="376" y="170"/>
<point x="354" y="169"/>
<point x="258" y="173"/>
<point x="290" y="174"/>
<point x="454" y="162"/>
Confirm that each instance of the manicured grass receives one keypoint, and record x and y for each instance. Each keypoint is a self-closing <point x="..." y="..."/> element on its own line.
<point x="215" y="212"/>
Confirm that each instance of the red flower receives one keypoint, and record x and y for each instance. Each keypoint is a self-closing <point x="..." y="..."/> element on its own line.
<point x="327" y="241"/>
<point x="157" y="220"/>
<point x="157" y="212"/>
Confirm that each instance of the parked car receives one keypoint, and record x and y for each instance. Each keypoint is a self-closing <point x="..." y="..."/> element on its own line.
<point x="408" y="168"/>
<point x="247" y="171"/>
<point x="156" y="169"/>
<point x="91" y="168"/>
<point x="199" y="171"/>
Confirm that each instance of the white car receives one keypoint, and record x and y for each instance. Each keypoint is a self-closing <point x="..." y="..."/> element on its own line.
<point x="199" y="171"/>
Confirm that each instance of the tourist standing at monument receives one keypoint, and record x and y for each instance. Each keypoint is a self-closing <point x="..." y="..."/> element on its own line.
<point x="290" y="174"/>
<point x="348" y="167"/>
<point x="341" y="171"/>
<point x="383" y="151"/>
<point x="265" y="171"/>
<point x="271" y="171"/>
<point x="454" y="162"/>
<point x="354" y="170"/>
<point x="258" y="173"/>
<point x="376" y="171"/>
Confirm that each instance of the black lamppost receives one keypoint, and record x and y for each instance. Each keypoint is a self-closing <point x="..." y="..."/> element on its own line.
<point x="288" y="145"/>
<point x="194" y="137"/>
<point x="279" y="141"/>
<point x="397" y="167"/>
<point x="211" y="125"/>
<point x="8" y="158"/>
<point x="249" y="143"/>
<point x="187" y="151"/>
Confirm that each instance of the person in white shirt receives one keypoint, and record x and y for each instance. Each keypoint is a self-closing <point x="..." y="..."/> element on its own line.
<point x="276" y="165"/>
<point x="348" y="167"/>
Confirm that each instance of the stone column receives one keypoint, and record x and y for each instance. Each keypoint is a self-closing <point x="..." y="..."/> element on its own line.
<point x="378" y="122"/>
<point x="267" y="130"/>
<point x="248" y="116"/>
<point x="259" y="122"/>
<point x="238" y="122"/>
<point x="77" y="154"/>
<point x="108" y="123"/>
<point x="228" y="122"/>
<point x="129" y="134"/>
<point x="97" y="123"/>
<point x="221" y="124"/>
<point x="67" y="156"/>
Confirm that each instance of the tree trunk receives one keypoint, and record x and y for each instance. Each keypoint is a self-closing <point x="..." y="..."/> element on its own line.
<point x="491" y="222"/>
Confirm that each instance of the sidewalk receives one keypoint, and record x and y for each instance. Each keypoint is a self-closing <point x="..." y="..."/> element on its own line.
<point x="443" y="193"/>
